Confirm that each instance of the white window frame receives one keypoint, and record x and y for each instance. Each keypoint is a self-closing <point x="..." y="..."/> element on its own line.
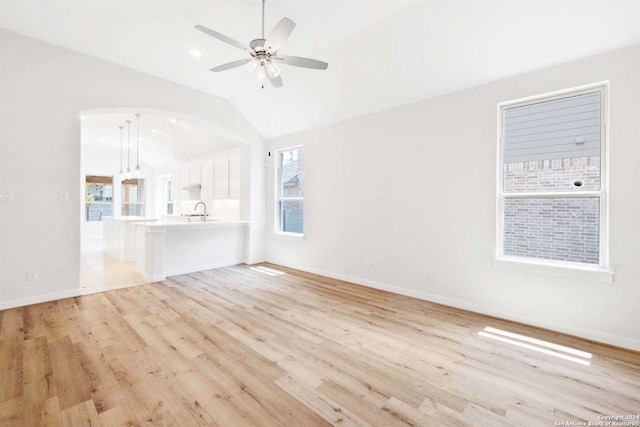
<point x="278" y="198"/>
<point x="112" y="202"/>
<point x="553" y="266"/>
<point x="143" y="203"/>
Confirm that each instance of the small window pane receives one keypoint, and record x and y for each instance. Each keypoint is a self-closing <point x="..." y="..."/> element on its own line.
<point x="169" y="198"/>
<point x="564" y="229"/>
<point x="291" y="173"/>
<point x="553" y="145"/>
<point x="291" y="216"/>
<point x="98" y="197"/>
<point x="133" y="197"/>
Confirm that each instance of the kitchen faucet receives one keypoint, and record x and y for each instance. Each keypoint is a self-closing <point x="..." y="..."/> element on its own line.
<point x="204" y="218"/>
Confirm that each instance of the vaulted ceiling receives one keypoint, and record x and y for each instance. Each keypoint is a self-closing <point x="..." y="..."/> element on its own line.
<point x="166" y="139"/>
<point x="381" y="53"/>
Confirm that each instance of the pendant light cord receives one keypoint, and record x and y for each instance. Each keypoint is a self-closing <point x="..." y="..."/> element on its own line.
<point x="263" y="18"/>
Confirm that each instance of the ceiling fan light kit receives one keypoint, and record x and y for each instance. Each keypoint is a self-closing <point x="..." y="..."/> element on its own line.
<point x="264" y="52"/>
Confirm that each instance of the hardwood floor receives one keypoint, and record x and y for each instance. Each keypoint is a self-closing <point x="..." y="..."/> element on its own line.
<point x="245" y="346"/>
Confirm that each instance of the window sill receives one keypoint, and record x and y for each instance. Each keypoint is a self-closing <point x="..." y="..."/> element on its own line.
<point x="579" y="272"/>
<point x="289" y="236"/>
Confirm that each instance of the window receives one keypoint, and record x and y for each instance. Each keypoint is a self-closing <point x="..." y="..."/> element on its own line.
<point x="133" y="197"/>
<point x="169" y="197"/>
<point x="98" y="197"/>
<point x="290" y="178"/>
<point x="552" y="187"/>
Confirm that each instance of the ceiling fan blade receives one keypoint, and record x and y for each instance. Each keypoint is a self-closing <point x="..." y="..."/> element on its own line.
<point x="279" y="34"/>
<point x="220" y="37"/>
<point x="230" y="65"/>
<point x="276" y="81"/>
<point x="297" y="61"/>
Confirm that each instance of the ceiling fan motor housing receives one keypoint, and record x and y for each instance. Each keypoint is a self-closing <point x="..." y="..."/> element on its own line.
<point x="257" y="45"/>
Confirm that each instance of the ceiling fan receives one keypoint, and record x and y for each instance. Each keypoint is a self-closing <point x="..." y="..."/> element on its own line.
<point x="264" y="52"/>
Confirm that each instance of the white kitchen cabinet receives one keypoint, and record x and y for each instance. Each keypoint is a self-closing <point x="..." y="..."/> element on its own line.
<point x="175" y="185"/>
<point x="120" y="236"/>
<point x="218" y="178"/>
<point x="234" y="177"/>
<point x="194" y="174"/>
<point x="184" y="182"/>
<point x="207" y="175"/>
<point x="221" y="178"/>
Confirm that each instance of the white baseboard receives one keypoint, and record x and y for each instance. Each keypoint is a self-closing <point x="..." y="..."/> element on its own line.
<point x="70" y="293"/>
<point x="21" y="302"/>
<point x="465" y="305"/>
<point x="601" y="337"/>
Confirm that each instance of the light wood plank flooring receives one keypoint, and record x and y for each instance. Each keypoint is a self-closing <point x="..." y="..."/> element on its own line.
<point x="246" y="346"/>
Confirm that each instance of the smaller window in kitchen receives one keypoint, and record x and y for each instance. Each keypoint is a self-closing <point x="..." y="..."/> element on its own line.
<point x="290" y="190"/>
<point x="169" y="197"/>
<point x="98" y="197"/>
<point x="133" y="197"/>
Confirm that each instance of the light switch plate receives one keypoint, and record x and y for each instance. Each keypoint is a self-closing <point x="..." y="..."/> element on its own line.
<point x="6" y="196"/>
<point x="63" y="196"/>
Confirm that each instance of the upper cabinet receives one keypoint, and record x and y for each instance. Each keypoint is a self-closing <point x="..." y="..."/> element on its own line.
<point x="184" y="177"/>
<point x="194" y="174"/>
<point x="206" y="172"/>
<point x="183" y="180"/>
<point x="175" y="185"/>
<point x="221" y="178"/>
<point x="234" y="177"/>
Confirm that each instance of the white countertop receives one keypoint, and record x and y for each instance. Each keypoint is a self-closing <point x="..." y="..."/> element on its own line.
<point x="129" y="218"/>
<point x="161" y="225"/>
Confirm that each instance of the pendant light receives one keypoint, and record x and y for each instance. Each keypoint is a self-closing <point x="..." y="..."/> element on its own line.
<point x="121" y="171"/>
<point x="128" y="174"/>
<point x="138" y="171"/>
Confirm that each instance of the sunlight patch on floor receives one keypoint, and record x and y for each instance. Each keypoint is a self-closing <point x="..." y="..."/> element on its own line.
<point x="541" y="346"/>
<point x="268" y="271"/>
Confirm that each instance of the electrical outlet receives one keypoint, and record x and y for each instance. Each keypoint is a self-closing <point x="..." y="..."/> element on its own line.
<point x="371" y="185"/>
<point x="429" y="275"/>
<point x="32" y="275"/>
<point x="370" y="264"/>
<point x="63" y="196"/>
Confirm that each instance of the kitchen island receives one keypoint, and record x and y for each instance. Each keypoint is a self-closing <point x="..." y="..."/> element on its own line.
<point x="120" y="236"/>
<point x="167" y="248"/>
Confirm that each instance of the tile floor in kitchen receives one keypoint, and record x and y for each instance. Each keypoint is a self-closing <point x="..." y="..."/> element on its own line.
<point x="100" y="271"/>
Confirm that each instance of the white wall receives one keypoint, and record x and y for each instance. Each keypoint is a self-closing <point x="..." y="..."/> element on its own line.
<point x="106" y="162"/>
<point x="432" y="205"/>
<point x="43" y="88"/>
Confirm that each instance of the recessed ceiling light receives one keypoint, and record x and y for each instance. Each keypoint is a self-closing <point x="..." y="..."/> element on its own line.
<point x="195" y="53"/>
<point x="154" y="130"/>
<point x="173" y="121"/>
